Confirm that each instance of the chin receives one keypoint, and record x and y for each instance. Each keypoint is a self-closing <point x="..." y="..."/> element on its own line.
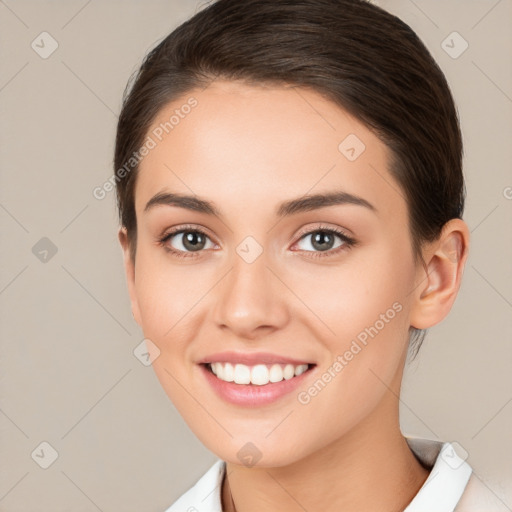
<point x="255" y="453"/>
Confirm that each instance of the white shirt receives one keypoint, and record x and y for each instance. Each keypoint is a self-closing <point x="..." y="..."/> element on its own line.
<point x="450" y="487"/>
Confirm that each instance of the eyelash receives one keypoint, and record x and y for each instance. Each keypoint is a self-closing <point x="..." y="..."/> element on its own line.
<point x="348" y="242"/>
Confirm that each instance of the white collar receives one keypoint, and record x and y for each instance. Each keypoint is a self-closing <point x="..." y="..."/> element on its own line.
<point x="441" y="491"/>
<point x="443" y="488"/>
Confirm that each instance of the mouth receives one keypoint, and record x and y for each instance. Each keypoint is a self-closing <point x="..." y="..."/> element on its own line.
<point x="256" y="375"/>
<point x="255" y="385"/>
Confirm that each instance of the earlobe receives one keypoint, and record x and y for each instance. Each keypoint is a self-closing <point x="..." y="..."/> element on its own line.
<point x="439" y="284"/>
<point x="129" y="267"/>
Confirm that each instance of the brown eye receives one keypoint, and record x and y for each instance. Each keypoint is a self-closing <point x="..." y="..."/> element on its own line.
<point x="324" y="240"/>
<point x="193" y="240"/>
<point x="186" y="241"/>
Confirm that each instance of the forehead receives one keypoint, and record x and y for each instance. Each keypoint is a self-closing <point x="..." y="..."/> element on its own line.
<point x="246" y="146"/>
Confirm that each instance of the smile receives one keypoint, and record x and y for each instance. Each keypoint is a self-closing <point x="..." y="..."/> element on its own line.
<point x="257" y="384"/>
<point x="259" y="374"/>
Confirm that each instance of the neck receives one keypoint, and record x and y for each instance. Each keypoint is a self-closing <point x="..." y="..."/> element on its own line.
<point x="370" y="468"/>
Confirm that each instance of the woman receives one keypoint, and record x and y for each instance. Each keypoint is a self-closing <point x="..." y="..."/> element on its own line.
<point x="290" y="190"/>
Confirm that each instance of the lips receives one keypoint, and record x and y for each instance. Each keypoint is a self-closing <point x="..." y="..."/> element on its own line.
<point x="252" y="358"/>
<point x="263" y="377"/>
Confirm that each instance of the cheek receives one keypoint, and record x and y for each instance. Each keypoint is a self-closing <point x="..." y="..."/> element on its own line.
<point x="366" y="288"/>
<point x="167" y="293"/>
<point x="365" y="307"/>
<point x="170" y="303"/>
<point x="362" y="358"/>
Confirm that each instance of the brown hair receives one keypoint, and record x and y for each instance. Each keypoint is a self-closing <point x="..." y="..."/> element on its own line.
<point x="357" y="55"/>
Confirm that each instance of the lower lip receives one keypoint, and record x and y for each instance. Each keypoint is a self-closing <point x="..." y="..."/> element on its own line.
<point x="253" y="395"/>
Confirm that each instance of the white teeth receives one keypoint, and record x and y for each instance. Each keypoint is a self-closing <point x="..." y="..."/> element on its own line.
<point x="300" y="369"/>
<point x="289" y="371"/>
<point x="258" y="375"/>
<point x="229" y="372"/>
<point x="242" y="374"/>
<point x="276" y="373"/>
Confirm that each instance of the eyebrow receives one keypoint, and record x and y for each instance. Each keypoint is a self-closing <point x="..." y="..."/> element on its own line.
<point x="317" y="201"/>
<point x="294" y="206"/>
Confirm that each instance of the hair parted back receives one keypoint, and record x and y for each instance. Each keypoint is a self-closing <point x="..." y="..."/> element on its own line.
<point x="352" y="52"/>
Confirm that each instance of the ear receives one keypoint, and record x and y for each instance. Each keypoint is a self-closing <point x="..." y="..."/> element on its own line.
<point x="438" y="286"/>
<point x="129" y="267"/>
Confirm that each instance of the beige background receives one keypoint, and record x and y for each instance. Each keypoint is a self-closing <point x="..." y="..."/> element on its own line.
<point x="68" y="373"/>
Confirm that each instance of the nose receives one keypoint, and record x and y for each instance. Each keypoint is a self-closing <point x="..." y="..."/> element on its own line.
<point x="250" y="300"/>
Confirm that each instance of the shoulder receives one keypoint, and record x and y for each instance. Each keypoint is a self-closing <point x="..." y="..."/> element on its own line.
<point x="204" y="495"/>
<point x="451" y="485"/>
<point x="478" y="497"/>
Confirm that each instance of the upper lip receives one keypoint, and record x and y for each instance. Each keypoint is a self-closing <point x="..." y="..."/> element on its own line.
<point x="251" y="358"/>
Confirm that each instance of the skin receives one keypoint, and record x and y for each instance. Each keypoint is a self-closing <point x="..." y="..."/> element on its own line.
<point x="247" y="149"/>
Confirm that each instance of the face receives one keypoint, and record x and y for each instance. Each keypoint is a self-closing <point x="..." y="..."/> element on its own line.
<point x="253" y="270"/>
